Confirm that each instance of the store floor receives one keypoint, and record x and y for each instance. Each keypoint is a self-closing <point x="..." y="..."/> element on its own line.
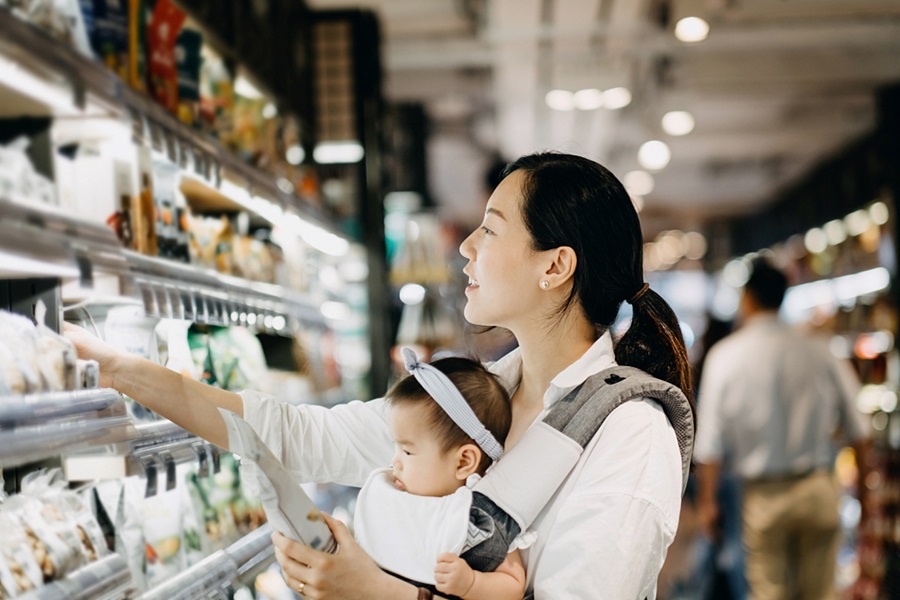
<point x="697" y="569"/>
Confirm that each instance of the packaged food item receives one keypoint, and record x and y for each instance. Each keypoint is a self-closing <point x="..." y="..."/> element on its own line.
<point x="20" y="571"/>
<point x="166" y="177"/>
<point x="139" y="14"/>
<point x="237" y="358"/>
<point x="187" y="59"/>
<point x="173" y="333"/>
<point x="121" y="501"/>
<point x="87" y="374"/>
<point x="162" y="33"/>
<point x="253" y="259"/>
<point x="12" y="377"/>
<point x="143" y="209"/>
<point x="18" y="178"/>
<point x="52" y="554"/>
<point x="60" y="18"/>
<point x="212" y="243"/>
<point x="19" y="336"/>
<point x="216" y="95"/>
<point x="57" y="356"/>
<point x="109" y="33"/>
<point x="194" y="548"/>
<point x="161" y="519"/>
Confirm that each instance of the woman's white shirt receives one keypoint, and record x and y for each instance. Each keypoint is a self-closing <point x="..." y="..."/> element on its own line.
<point x="605" y="532"/>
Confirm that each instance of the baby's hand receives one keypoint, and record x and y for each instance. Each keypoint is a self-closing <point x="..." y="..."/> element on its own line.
<point x="453" y="576"/>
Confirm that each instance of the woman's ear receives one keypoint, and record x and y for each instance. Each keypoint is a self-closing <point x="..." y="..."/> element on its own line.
<point x="561" y="267"/>
<point x="468" y="456"/>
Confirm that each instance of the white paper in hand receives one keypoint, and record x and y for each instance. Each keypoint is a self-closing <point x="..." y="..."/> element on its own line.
<point x="287" y="506"/>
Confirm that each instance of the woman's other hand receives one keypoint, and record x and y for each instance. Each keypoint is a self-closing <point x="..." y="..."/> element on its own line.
<point x="349" y="574"/>
<point x="90" y="347"/>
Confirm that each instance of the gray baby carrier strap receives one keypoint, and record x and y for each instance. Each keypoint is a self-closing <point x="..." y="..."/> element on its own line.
<point x="513" y="493"/>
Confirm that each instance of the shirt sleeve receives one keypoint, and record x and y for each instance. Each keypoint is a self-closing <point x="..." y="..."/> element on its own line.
<point x="610" y="536"/>
<point x="709" y="444"/>
<point x="342" y="444"/>
<point x="852" y="421"/>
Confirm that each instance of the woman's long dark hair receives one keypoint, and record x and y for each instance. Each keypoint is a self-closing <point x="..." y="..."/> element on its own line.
<point x="573" y="201"/>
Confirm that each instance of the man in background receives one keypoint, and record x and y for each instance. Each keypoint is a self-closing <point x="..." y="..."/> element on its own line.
<point x="773" y="400"/>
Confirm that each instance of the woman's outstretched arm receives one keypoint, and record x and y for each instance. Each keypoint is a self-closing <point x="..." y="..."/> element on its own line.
<point x="188" y="403"/>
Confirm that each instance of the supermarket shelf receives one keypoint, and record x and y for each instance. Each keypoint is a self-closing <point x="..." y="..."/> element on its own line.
<point x="152" y="452"/>
<point x="44" y="238"/>
<point x="38" y="426"/>
<point x="105" y="579"/>
<point x="173" y="289"/>
<point x="219" y="570"/>
<point x="86" y="84"/>
<point x="39" y="240"/>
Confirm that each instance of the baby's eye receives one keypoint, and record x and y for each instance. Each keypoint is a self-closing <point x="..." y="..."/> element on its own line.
<point x="486" y="230"/>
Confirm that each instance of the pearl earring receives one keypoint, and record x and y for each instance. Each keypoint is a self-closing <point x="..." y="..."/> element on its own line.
<point x="545" y="284"/>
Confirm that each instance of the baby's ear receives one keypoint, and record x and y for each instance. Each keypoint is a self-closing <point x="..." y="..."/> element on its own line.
<point x="468" y="456"/>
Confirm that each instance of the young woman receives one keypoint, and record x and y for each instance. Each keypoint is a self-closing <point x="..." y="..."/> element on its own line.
<point x="558" y="252"/>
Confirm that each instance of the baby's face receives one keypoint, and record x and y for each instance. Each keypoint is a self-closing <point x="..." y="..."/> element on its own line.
<point x="419" y="467"/>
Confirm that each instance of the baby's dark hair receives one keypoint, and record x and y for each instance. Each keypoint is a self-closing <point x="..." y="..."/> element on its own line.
<point x="480" y="388"/>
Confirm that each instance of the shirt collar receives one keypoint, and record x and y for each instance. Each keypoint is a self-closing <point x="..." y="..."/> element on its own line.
<point x="598" y="357"/>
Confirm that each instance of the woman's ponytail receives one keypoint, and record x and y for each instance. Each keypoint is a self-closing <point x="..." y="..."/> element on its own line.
<point x="654" y="343"/>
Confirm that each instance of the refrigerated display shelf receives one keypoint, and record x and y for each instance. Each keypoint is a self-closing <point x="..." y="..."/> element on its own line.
<point x="220" y="570"/>
<point x="41" y="240"/>
<point x="87" y="83"/>
<point x="39" y="426"/>
<point x="105" y="579"/>
<point x="152" y="452"/>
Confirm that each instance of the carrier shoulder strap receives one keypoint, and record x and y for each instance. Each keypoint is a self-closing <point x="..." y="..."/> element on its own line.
<point x="522" y="482"/>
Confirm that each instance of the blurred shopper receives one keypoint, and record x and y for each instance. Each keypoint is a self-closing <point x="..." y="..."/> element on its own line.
<point x="772" y="400"/>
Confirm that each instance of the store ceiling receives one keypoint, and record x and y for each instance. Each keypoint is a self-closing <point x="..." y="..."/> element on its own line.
<point x="777" y="86"/>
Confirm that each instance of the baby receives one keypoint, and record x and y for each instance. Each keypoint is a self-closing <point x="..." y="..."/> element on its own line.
<point x="449" y="421"/>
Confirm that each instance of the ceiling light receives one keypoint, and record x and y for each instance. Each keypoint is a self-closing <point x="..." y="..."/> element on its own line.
<point x="638" y="183"/>
<point x="412" y="294"/>
<point x="269" y="111"/>
<point x="835" y="232"/>
<point x="857" y="222"/>
<point x="654" y="155"/>
<point x="691" y="29"/>
<point x="736" y="273"/>
<point x="616" y="98"/>
<point x="295" y="154"/>
<point x="327" y="153"/>
<point x="815" y="240"/>
<point x="560" y="99"/>
<point x="678" y="122"/>
<point x="589" y="99"/>
<point x="878" y="212"/>
<point x="695" y="244"/>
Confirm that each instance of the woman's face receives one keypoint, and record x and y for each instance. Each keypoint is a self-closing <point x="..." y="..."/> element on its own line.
<point x="504" y="272"/>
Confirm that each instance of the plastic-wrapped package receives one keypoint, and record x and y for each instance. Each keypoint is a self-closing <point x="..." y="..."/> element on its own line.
<point x="42" y="513"/>
<point x="87" y="374"/>
<point x="60" y="18"/>
<point x="19" y="569"/>
<point x="121" y="501"/>
<point x="161" y="518"/>
<point x="12" y="378"/>
<point x="194" y="548"/>
<point x="18" y="334"/>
